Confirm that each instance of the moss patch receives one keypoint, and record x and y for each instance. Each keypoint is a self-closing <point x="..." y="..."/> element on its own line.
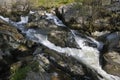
<point x="20" y="73"/>
<point x="34" y="66"/>
<point x="52" y="3"/>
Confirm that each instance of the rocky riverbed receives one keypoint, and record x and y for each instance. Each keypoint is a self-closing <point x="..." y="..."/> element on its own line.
<point x="64" y="43"/>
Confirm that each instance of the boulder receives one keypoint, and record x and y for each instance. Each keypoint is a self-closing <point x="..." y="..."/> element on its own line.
<point x="70" y="11"/>
<point x="112" y="56"/>
<point x="9" y="4"/>
<point x="113" y="41"/>
<point x="14" y="8"/>
<point x="10" y="36"/>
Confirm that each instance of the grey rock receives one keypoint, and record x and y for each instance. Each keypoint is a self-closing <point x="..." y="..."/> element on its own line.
<point x="70" y="11"/>
<point x="8" y="4"/>
<point x="37" y="76"/>
<point x="113" y="41"/>
<point x="112" y="56"/>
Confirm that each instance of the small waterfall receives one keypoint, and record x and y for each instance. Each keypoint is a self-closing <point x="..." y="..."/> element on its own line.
<point x="87" y="55"/>
<point x="4" y="19"/>
<point x="31" y="12"/>
<point x="24" y="20"/>
<point x="55" y="19"/>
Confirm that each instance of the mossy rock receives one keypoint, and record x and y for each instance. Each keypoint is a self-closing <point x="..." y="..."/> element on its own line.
<point x="19" y="72"/>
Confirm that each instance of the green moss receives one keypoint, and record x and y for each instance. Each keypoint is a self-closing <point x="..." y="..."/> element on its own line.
<point x="34" y="66"/>
<point x="53" y="3"/>
<point x="21" y="73"/>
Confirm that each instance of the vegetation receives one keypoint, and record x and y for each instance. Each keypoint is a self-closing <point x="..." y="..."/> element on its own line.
<point x="19" y="73"/>
<point x="52" y="3"/>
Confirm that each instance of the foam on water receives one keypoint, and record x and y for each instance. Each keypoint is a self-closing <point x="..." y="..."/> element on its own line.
<point x="31" y="12"/>
<point x="24" y="20"/>
<point x="56" y="20"/>
<point x="99" y="44"/>
<point x="5" y="19"/>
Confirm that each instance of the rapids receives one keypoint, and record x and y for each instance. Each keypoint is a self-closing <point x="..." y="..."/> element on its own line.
<point x="87" y="54"/>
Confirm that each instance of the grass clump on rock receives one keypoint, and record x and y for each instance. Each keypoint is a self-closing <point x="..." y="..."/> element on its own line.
<point x="20" y="72"/>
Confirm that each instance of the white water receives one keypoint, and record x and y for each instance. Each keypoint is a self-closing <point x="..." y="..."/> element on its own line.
<point x="86" y="55"/>
<point x="24" y="20"/>
<point x="55" y="19"/>
<point x="5" y="19"/>
<point x="31" y="12"/>
<point x="81" y="41"/>
<point x="99" y="44"/>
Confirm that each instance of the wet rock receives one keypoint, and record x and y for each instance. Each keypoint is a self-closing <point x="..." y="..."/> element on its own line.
<point x="41" y="69"/>
<point x="65" y="63"/>
<point x="9" y="4"/>
<point x="43" y="62"/>
<point x="38" y="50"/>
<point x="72" y="15"/>
<point x="13" y="45"/>
<point x="113" y="41"/>
<point x="62" y="38"/>
<point x="11" y="31"/>
<point x="59" y="76"/>
<point x="112" y="56"/>
<point x="29" y="43"/>
<point x="70" y="11"/>
<point x="56" y="33"/>
<point x="37" y="76"/>
<point x="11" y="37"/>
<point x="113" y="63"/>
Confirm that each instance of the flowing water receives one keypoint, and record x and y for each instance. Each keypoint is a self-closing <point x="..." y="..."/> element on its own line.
<point x="87" y="55"/>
